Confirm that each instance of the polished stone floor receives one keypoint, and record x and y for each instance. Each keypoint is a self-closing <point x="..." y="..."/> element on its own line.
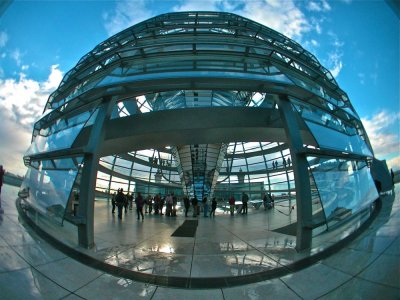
<point x="223" y="247"/>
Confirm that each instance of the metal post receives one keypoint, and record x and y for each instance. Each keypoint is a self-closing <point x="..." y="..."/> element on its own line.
<point x="89" y="176"/>
<point x="301" y="175"/>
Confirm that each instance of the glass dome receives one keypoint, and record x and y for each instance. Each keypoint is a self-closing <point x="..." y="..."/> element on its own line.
<point x="205" y="104"/>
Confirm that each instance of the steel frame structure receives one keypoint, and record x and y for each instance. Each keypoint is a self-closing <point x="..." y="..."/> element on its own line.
<point x="194" y="87"/>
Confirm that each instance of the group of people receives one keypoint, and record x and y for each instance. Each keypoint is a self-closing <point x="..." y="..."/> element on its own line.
<point x="268" y="201"/>
<point x="285" y="162"/>
<point x="243" y="208"/>
<point x="121" y="201"/>
<point x="196" y="206"/>
<point x="157" y="203"/>
<point x="150" y="204"/>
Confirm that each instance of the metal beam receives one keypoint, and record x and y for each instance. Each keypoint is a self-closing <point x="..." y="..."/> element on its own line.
<point x="89" y="175"/>
<point x="301" y="175"/>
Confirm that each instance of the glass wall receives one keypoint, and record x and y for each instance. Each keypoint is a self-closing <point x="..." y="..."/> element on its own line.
<point x="345" y="187"/>
<point x="48" y="184"/>
<point x="60" y="134"/>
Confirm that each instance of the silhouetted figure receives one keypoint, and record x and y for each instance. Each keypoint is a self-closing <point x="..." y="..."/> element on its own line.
<point x="194" y="204"/>
<point x="169" y="202"/>
<point x="120" y="202"/>
<point x="2" y="172"/>
<point x="245" y="199"/>
<point x="232" y="205"/>
<point x="113" y="202"/>
<point x="139" y="206"/>
<point x="213" y="207"/>
<point x="205" y="207"/>
<point x="186" y="203"/>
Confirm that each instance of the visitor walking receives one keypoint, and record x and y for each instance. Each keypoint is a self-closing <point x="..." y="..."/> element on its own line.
<point x="139" y="206"/>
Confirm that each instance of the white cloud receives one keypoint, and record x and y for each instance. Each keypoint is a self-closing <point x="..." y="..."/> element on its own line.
<point x="17" y="56"/>
<point x="384" y="139"/>
<point x="3" y="39"/>
<point x="54" y="79"/>
<point x="319" y="6"/>
<point x="205" y="5"/>
<point x="334" y="61"/>
<point x="21" y="104"/>
<point x="284" y="17"/>
<point x="126" y="14"/>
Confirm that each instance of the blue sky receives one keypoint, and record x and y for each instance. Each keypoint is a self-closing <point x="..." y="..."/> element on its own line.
<point x="358" y="41"/>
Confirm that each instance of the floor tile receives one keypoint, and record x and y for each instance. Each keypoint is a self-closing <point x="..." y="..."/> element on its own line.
<point x="192" y="294"/>
<point x="372" y="243"/>
<point x="350" y="261"/>
<point x="10" y="260"/>
<point x="69" y="273"/>
<point x="385" y="270"/>
<point x="315" y="281"/>
<point x="269" y="289"/>
<point x="116" y="288"/>
<point x="38" y="254"/>
<point x="394" y="248"/>
<point x="29" y="284"/>
<point x="363" y="290"/>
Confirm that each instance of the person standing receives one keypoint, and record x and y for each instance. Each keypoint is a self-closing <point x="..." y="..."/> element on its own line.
<point x="213" y="207"/>
<point x="126" y="203"/>
<point x="186" y="203"/>
<point x="194" y="204"/>
<point x="150" y="204"/>
<point x="2" y="172"/>
<point x="265" y="201"/>
<point x="162" y="202"/>
<point x="245" y="199"/>
<point x="120" y="201"/>
<point x="174" y="203"/>
<point x="157" y="200"/>
<point x="130" y="199"/>
<point x="113" y="202"/>
<point x="232" y="205"/>
<point x="205" y="207"/>
<point x="168" y="202"/>
<point x="139" y="206"/>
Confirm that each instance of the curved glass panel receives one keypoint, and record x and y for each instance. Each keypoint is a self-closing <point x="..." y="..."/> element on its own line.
<point x="344" y="186"/>
<point x="332" y="139"/>
<point x="61" y="134"/>
<point x="48" y="187"/>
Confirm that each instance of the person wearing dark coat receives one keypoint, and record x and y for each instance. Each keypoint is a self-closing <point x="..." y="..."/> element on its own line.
<point x="2" y="172"/>
<point x="213" y="207"/>
<point x="120" y="202"/>
<point x="186" y="204"/>
<point x="139" y="206"/>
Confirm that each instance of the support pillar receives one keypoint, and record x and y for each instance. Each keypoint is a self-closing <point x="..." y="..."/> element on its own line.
<point x="301" y="175"/>
<point x="89" y="175"/>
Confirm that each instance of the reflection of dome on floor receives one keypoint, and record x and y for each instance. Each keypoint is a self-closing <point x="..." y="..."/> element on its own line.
<point x="202" y="104"/>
